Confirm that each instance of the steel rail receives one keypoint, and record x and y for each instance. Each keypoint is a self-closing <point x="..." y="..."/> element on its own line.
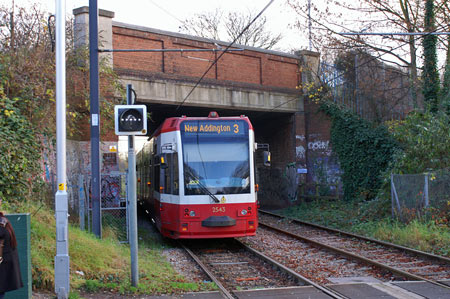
<point x="403" y="248"/>
<point x="222" y="289"/>
<point x="357" y="257"/>
<point x="292" y="273"/>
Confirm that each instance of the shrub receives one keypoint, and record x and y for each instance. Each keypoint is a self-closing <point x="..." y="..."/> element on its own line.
<point x="364" y="150"/>
<point x="20" y="152"/>
<point x="425" y="142"/>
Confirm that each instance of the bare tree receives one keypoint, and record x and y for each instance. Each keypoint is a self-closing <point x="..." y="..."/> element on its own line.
<point x="406" y="16"/>
<point x="204" y="24"/>
<point x="227" y="27"/>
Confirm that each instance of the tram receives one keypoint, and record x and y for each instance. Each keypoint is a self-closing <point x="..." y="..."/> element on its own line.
<point x="196" y="177"/>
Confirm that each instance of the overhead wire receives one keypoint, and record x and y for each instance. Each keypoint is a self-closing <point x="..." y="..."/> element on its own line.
<point x="166" y="11"/>
<point x="220" y="56"/>
<point x="364" y="63"/>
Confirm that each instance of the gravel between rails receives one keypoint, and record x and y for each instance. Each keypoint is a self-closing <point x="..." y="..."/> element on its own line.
<point x="318" y="265"/>
<point x="393" y="257"/>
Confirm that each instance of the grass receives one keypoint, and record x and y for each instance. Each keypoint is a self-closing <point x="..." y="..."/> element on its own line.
<point x="373" y="219"/>
<point x="100" y="265"/>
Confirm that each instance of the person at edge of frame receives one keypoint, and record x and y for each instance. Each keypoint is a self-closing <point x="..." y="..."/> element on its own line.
<point x="10" y="278"/>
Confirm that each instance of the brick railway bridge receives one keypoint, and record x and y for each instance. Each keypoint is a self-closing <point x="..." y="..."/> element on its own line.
<point x="259" y="83"/>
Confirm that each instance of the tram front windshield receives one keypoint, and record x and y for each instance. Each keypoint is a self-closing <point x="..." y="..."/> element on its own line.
<point x="215" y="157"/>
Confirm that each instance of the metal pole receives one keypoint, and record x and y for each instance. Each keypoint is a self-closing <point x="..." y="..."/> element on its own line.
<point x="425" y="191"/>
<point x="132" y="200"/>
<point x="95" y="118"/>
<point x="392" y="196"/>
<point x="81" y="206"/>
<point x="62" y="259"/>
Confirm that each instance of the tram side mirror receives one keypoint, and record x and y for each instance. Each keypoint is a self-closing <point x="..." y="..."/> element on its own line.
<point x="163" y="161"/>
<point x="266" y="158"/>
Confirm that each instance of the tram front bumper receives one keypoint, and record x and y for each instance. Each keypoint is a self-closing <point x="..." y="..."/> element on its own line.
<point x="219" y="221"/>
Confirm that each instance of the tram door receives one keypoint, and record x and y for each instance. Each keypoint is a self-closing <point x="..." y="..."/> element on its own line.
<point x="169" y="182"/>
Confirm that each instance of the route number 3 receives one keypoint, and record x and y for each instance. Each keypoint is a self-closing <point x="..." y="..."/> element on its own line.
<point x="236" y="128"/>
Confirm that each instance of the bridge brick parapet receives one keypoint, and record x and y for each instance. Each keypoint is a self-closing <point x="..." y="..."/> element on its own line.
<point x="249" y="79"/>
<point x="252" y="66"/>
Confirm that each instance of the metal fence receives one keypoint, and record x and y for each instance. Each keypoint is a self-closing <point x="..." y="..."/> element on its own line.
<point x="114" y="206"/>
<point x="421" y="196"/>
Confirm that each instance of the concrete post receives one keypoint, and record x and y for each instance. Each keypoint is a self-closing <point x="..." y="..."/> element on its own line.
<point x="81" y="30"/>
<point x="310" y="66"/>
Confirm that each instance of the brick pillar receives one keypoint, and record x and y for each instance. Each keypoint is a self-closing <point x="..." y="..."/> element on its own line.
<point x="309" y="69"/>
<point x="300" y="145"/>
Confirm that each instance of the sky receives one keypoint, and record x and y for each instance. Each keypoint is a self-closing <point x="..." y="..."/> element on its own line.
<point x="168" y="14"/>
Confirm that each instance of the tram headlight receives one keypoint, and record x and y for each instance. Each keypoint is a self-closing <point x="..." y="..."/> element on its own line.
<point x="244" y="212"/>
<point x="192" y="213"/>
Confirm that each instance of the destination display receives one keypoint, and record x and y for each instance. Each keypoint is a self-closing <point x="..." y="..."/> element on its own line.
<point x="208" y="128"/>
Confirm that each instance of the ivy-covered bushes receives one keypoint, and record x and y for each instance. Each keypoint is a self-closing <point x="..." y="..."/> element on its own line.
<point x="20" y="152"/>
<point x="364" y="151"/>
<point x="425" y="142"/>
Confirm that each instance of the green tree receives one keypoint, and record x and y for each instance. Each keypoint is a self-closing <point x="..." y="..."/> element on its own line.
<point x="445" y="90"/>
<point x="430" y="74"/>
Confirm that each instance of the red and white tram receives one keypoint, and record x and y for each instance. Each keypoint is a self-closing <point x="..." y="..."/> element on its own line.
<point x="196" y="177"/>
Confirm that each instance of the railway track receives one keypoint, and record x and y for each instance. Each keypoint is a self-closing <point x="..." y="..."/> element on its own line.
<point x="234" y="266"/>
<point x="402" y="262"/>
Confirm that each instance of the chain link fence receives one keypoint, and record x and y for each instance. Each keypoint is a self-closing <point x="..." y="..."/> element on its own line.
<point x="114" y="207"/>
<point x="421" y="196"/>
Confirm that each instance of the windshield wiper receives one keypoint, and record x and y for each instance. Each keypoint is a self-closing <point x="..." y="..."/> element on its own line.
<point x="203" y="187"/>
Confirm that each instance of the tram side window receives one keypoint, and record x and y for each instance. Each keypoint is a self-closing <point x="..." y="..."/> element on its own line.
<point x="166" y="175"/>
<point x="147" y="166"/>
<point x="156" y="174"/>
<point x="175" y="176"/>
<point x="169" y="175"/>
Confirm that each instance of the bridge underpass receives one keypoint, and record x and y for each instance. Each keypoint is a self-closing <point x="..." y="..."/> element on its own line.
<point x="274" y="128"/>
<point x="259" y="119"/>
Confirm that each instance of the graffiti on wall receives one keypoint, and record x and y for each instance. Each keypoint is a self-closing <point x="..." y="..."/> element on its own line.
<point x="320" y="145"/>
<point x="300" y="151"/>
<point x="323" y="165"/>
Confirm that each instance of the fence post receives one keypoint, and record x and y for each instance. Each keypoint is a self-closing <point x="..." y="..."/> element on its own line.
<point x="392" y="196"/>
<point x="425" y="191"/>
<point x="81" y="205"/>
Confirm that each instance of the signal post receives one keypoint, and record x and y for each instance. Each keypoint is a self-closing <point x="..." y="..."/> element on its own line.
<point x="131" y="120"/>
